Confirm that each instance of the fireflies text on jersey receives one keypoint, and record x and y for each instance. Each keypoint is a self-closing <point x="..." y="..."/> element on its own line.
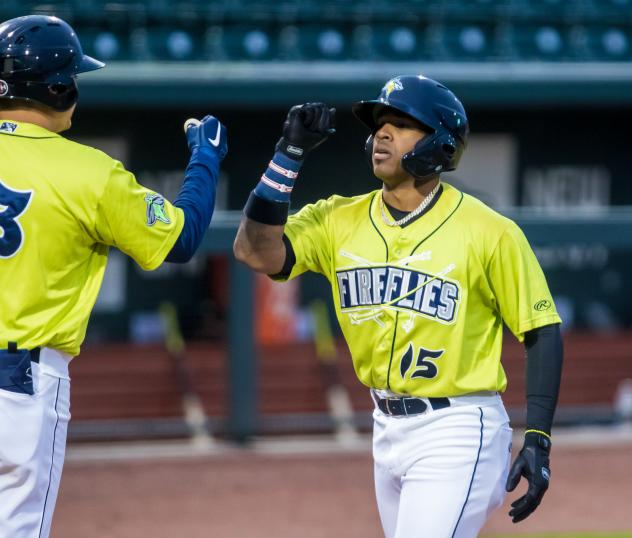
<point x="398" y="288"/>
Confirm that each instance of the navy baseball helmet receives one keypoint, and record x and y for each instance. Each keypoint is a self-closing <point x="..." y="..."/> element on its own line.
<point x="438" y="110"/>
<point x="40" y="57"/>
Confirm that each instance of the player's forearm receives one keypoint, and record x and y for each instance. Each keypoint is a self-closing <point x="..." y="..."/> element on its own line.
<point x="208" y="145"/>
<point x="197" y="200"/>
<point x="259" y="242"/>
<point x="544" y="373"/>
<point x="260" y="246"/>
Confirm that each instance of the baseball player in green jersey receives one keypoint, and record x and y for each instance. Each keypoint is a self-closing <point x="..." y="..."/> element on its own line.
<point x="422" y="277"/>
<point x="62" y="205"/>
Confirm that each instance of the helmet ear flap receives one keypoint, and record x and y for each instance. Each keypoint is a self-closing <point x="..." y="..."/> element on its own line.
<point x="63" y="96"/>
<point x="433" y="155"/>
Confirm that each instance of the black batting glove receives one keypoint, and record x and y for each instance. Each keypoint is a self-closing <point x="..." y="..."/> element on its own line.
<point x="306" y="127"/>
<point x="533" y="464"/>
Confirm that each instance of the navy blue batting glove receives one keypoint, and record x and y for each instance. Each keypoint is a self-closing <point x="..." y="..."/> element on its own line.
<point x="207" y="139"/>
<point x="532" y="463"/>
<point x="306" y="127"/>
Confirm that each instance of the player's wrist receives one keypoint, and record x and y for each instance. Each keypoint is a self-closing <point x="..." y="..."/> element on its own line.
<point x="205" y="157"/>
<point x="277" y="182"/>
<point x="539" y="438"/>
<point x="292" y="151"/>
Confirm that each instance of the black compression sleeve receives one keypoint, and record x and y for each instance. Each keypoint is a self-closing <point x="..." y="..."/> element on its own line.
<point x="544" y="372"/>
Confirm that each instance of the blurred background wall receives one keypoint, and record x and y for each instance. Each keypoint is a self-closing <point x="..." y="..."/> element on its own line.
<point x="548" y="88"/>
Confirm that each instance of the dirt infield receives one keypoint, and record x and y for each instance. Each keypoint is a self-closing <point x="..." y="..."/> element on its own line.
<point x="251" y="495"/>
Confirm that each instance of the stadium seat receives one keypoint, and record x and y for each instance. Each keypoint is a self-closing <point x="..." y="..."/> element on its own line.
<point x="105" y="45"/>
<point x="288" y="43"/>
<point x="394" y="42"/>
<point x="166" y="43"/>
<point x="463" y="42"/>
<point x="323" y="42"/>
<point x="608" y="43"/>
<point x="541" y="42"/>
<point x="615" y="43"/>
<point x="388" y="30"/>
<point x="213" y="44"/>
<point x="249" y="42"/>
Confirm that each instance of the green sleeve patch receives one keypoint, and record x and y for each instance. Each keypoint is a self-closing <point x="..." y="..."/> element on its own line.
<point x="156" y="209"/>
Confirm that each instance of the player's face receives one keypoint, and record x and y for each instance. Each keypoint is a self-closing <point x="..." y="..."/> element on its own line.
<point x="396" y="135"/>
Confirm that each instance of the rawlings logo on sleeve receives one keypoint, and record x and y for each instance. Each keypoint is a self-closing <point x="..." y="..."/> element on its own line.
<point x="156" y="209"/>
<point x="542" y="305"/>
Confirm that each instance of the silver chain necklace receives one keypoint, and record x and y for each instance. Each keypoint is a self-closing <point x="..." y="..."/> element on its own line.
<point x="424" y="203"/>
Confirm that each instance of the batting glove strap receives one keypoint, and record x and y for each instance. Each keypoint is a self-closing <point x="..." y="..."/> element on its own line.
<point x="533" y="464"/>
<point x="277" y="182"/>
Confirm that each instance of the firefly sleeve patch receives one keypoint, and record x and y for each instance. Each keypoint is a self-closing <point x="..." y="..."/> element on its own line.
<point x="156" y="209"/>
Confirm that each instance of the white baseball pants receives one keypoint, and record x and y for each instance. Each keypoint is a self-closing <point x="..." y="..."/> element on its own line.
<point x="441" y="473"/>
<point x="32" y="447"/>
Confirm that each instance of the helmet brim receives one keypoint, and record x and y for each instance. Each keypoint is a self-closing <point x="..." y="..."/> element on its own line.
<point x="367" y="113"/>
<point x="88" y="63"/>
<point x="364" y="111"/>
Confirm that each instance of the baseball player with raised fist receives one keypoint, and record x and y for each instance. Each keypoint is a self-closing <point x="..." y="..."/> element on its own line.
<point x="423" y="277"/>
<point x="62" y="205"/>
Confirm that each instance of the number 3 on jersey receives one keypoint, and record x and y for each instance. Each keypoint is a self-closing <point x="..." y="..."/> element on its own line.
<point x="424" y="367"/>
<point x="12" y="205"/>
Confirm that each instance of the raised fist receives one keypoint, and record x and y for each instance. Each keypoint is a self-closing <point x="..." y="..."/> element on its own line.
<point x="207" y="136"/>
<point x="306" y="127"/>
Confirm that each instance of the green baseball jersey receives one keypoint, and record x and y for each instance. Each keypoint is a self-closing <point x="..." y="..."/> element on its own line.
<point x="62" y="205"/>
<point x="422" y="307"/>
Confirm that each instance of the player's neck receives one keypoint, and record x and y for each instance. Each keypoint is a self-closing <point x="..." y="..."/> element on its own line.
<point x="53" y="121"/>
<point x="407" y="195"/>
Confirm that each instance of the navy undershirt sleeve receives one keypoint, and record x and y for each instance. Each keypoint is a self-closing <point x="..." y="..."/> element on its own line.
<point x="197" y="200"/>
<point x="544" y="372"/>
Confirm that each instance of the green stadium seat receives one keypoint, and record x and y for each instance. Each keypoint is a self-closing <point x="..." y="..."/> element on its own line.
<point x="249" y="42"/>
<point x="324" y="42"/>
<point x="165" y="44"/>
<point x="104" y="44"/>
<point x="394" y="42"/>
<point x="542" y="42"/>
<point x="288" y="43"/>
<point x="213" y="44"/>
<point x="607" y="43"/>
<point x="465" y="42"/>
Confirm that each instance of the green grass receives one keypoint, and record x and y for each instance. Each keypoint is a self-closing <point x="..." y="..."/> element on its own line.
<point x="566" y="535"/>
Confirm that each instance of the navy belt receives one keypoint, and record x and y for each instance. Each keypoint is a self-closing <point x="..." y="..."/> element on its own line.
<point x="410" y="406"/>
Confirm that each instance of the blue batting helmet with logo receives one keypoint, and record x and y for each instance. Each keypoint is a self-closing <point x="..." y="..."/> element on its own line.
<point x="40" y="57"/>
<point x="438" y="110"/>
